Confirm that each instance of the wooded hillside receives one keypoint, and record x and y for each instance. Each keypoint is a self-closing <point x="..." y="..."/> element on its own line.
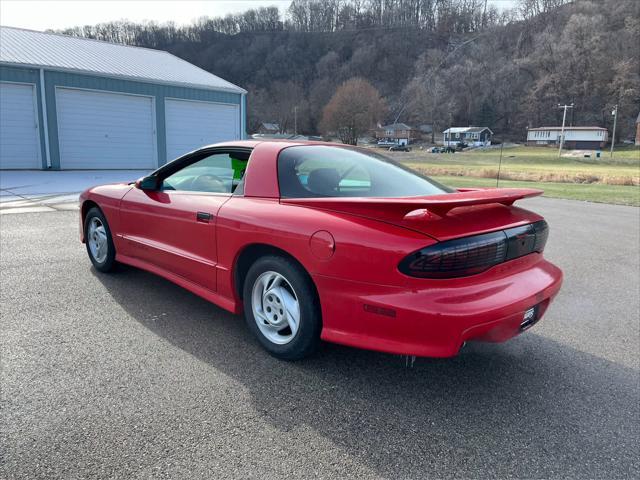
<point x="434" y="61"/>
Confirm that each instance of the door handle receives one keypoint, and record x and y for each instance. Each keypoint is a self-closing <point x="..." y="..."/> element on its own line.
<point x="203" y="217"/>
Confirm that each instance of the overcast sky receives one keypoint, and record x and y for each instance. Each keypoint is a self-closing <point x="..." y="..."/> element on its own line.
<point x="57" y="14"/>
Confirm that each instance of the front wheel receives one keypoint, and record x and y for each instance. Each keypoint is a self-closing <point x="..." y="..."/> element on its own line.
<point x="97" y="236"/>
<point x="281" y="308"/>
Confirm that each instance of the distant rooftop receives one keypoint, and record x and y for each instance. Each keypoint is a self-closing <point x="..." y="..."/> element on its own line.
<point x="568" y="128"/>
<point x="467" y="130"/>
<point x="396" y="126"/>
<point x="61" y="52"/>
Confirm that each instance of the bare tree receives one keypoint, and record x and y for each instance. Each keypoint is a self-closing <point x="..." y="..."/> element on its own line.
<point x="354" y="108"/>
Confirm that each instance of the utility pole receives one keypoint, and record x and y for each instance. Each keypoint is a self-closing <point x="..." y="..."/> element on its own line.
<point x="295" y="120"/>
<point x="615" y="121"/>
<point x="499" y="164"/>
<point x="564" y="119"/>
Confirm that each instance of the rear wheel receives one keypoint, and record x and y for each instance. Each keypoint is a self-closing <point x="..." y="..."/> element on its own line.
<point x="281" y="308"/>
<point x="97" y="236"/>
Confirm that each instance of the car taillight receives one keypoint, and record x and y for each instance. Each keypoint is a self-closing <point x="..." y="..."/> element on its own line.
<point x="470" y="255"/>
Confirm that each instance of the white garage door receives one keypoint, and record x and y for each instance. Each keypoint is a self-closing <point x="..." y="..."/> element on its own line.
<point x="105" y="130"/>
<point x="19" y="137"/>
<point x="192" y="124"/>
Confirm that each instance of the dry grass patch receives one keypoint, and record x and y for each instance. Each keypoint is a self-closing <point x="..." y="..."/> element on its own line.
<point x="530" y="164"/>
<point x="507" y="174"/>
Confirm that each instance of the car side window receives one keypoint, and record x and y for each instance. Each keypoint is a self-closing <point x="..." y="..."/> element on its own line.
<point x="333" y="177"/>
<point x="316" y="171"/>
<point x="355" y="179"/>
<point x="216" y="173"/>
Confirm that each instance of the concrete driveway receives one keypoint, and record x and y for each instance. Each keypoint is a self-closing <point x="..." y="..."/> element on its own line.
<point x="29" y="191"/>
<point x="129" y="376"/>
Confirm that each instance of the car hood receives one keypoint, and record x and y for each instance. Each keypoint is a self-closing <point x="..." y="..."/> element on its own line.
<point x="442" y="217"/>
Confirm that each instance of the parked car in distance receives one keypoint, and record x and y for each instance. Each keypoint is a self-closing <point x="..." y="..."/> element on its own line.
<point x="400" y="148"/>
<point x="446" y="149"/>
<point x="315" y="241"/>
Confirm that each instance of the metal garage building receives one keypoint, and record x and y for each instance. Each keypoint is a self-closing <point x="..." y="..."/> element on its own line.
<point x="73" y="103"/>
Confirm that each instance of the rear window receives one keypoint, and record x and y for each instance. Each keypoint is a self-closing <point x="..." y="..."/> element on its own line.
<point x="315" y="171"/>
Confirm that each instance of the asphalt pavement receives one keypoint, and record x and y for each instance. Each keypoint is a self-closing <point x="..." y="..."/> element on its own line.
<point x="128" y="376"/>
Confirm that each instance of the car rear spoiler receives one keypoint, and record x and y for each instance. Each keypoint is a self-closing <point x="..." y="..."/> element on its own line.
<point x="439" y="205"/>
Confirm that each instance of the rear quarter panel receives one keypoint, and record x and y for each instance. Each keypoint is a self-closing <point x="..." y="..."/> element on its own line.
<point x="365" y="250"/>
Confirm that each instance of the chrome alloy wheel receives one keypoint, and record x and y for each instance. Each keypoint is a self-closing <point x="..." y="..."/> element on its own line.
<point x="97" y="240"/>
<point x="275" y="308"/>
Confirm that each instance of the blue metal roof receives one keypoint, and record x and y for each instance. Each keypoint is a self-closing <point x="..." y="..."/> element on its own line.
<point x="62" y="52"/>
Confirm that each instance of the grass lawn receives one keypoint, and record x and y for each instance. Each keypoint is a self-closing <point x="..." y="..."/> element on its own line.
<point x="604" y="179"/>
<point x="594" y="192"/>
<point x="531" y="164"/>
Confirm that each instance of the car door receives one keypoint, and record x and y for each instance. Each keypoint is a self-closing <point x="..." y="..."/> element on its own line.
<point x="174" y="226"/>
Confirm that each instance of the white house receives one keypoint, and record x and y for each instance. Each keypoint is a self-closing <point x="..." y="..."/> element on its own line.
<point x="476" y="136"/>
<point x="574" y="137"/>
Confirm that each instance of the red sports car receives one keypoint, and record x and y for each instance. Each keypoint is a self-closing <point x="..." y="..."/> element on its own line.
<point x="320" y="241"/>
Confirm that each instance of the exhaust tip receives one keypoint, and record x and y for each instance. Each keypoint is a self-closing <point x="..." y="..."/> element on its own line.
<point x="529" y="318"/>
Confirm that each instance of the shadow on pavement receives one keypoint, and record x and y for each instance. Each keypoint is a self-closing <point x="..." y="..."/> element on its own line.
<point x="529" y="408"/>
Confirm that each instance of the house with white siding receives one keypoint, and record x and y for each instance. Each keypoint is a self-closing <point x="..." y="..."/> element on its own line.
<point x="574" y="137"/>
<point x="474" y="136"/>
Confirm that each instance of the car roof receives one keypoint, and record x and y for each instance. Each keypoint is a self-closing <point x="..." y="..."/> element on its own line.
<point x="261" y="178"/>
<point x="283" y="142"/>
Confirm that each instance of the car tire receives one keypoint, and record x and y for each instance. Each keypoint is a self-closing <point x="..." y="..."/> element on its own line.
<point x="97" y="236"/>
<point x="281" y="307"/>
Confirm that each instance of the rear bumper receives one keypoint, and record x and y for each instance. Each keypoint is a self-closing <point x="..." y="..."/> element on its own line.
<point x="433" y="318"/>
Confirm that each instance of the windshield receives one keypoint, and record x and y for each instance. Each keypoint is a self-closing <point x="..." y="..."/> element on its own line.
<point x="312" y="171"/>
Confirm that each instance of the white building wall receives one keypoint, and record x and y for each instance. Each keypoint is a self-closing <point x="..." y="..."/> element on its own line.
<point x="586" y="135"/>
<point x="542" y="136"/>
<point x="545" y="136"/>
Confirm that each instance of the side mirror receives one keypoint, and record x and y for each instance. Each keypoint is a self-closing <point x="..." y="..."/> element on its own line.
<point x="149" y="183"/>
